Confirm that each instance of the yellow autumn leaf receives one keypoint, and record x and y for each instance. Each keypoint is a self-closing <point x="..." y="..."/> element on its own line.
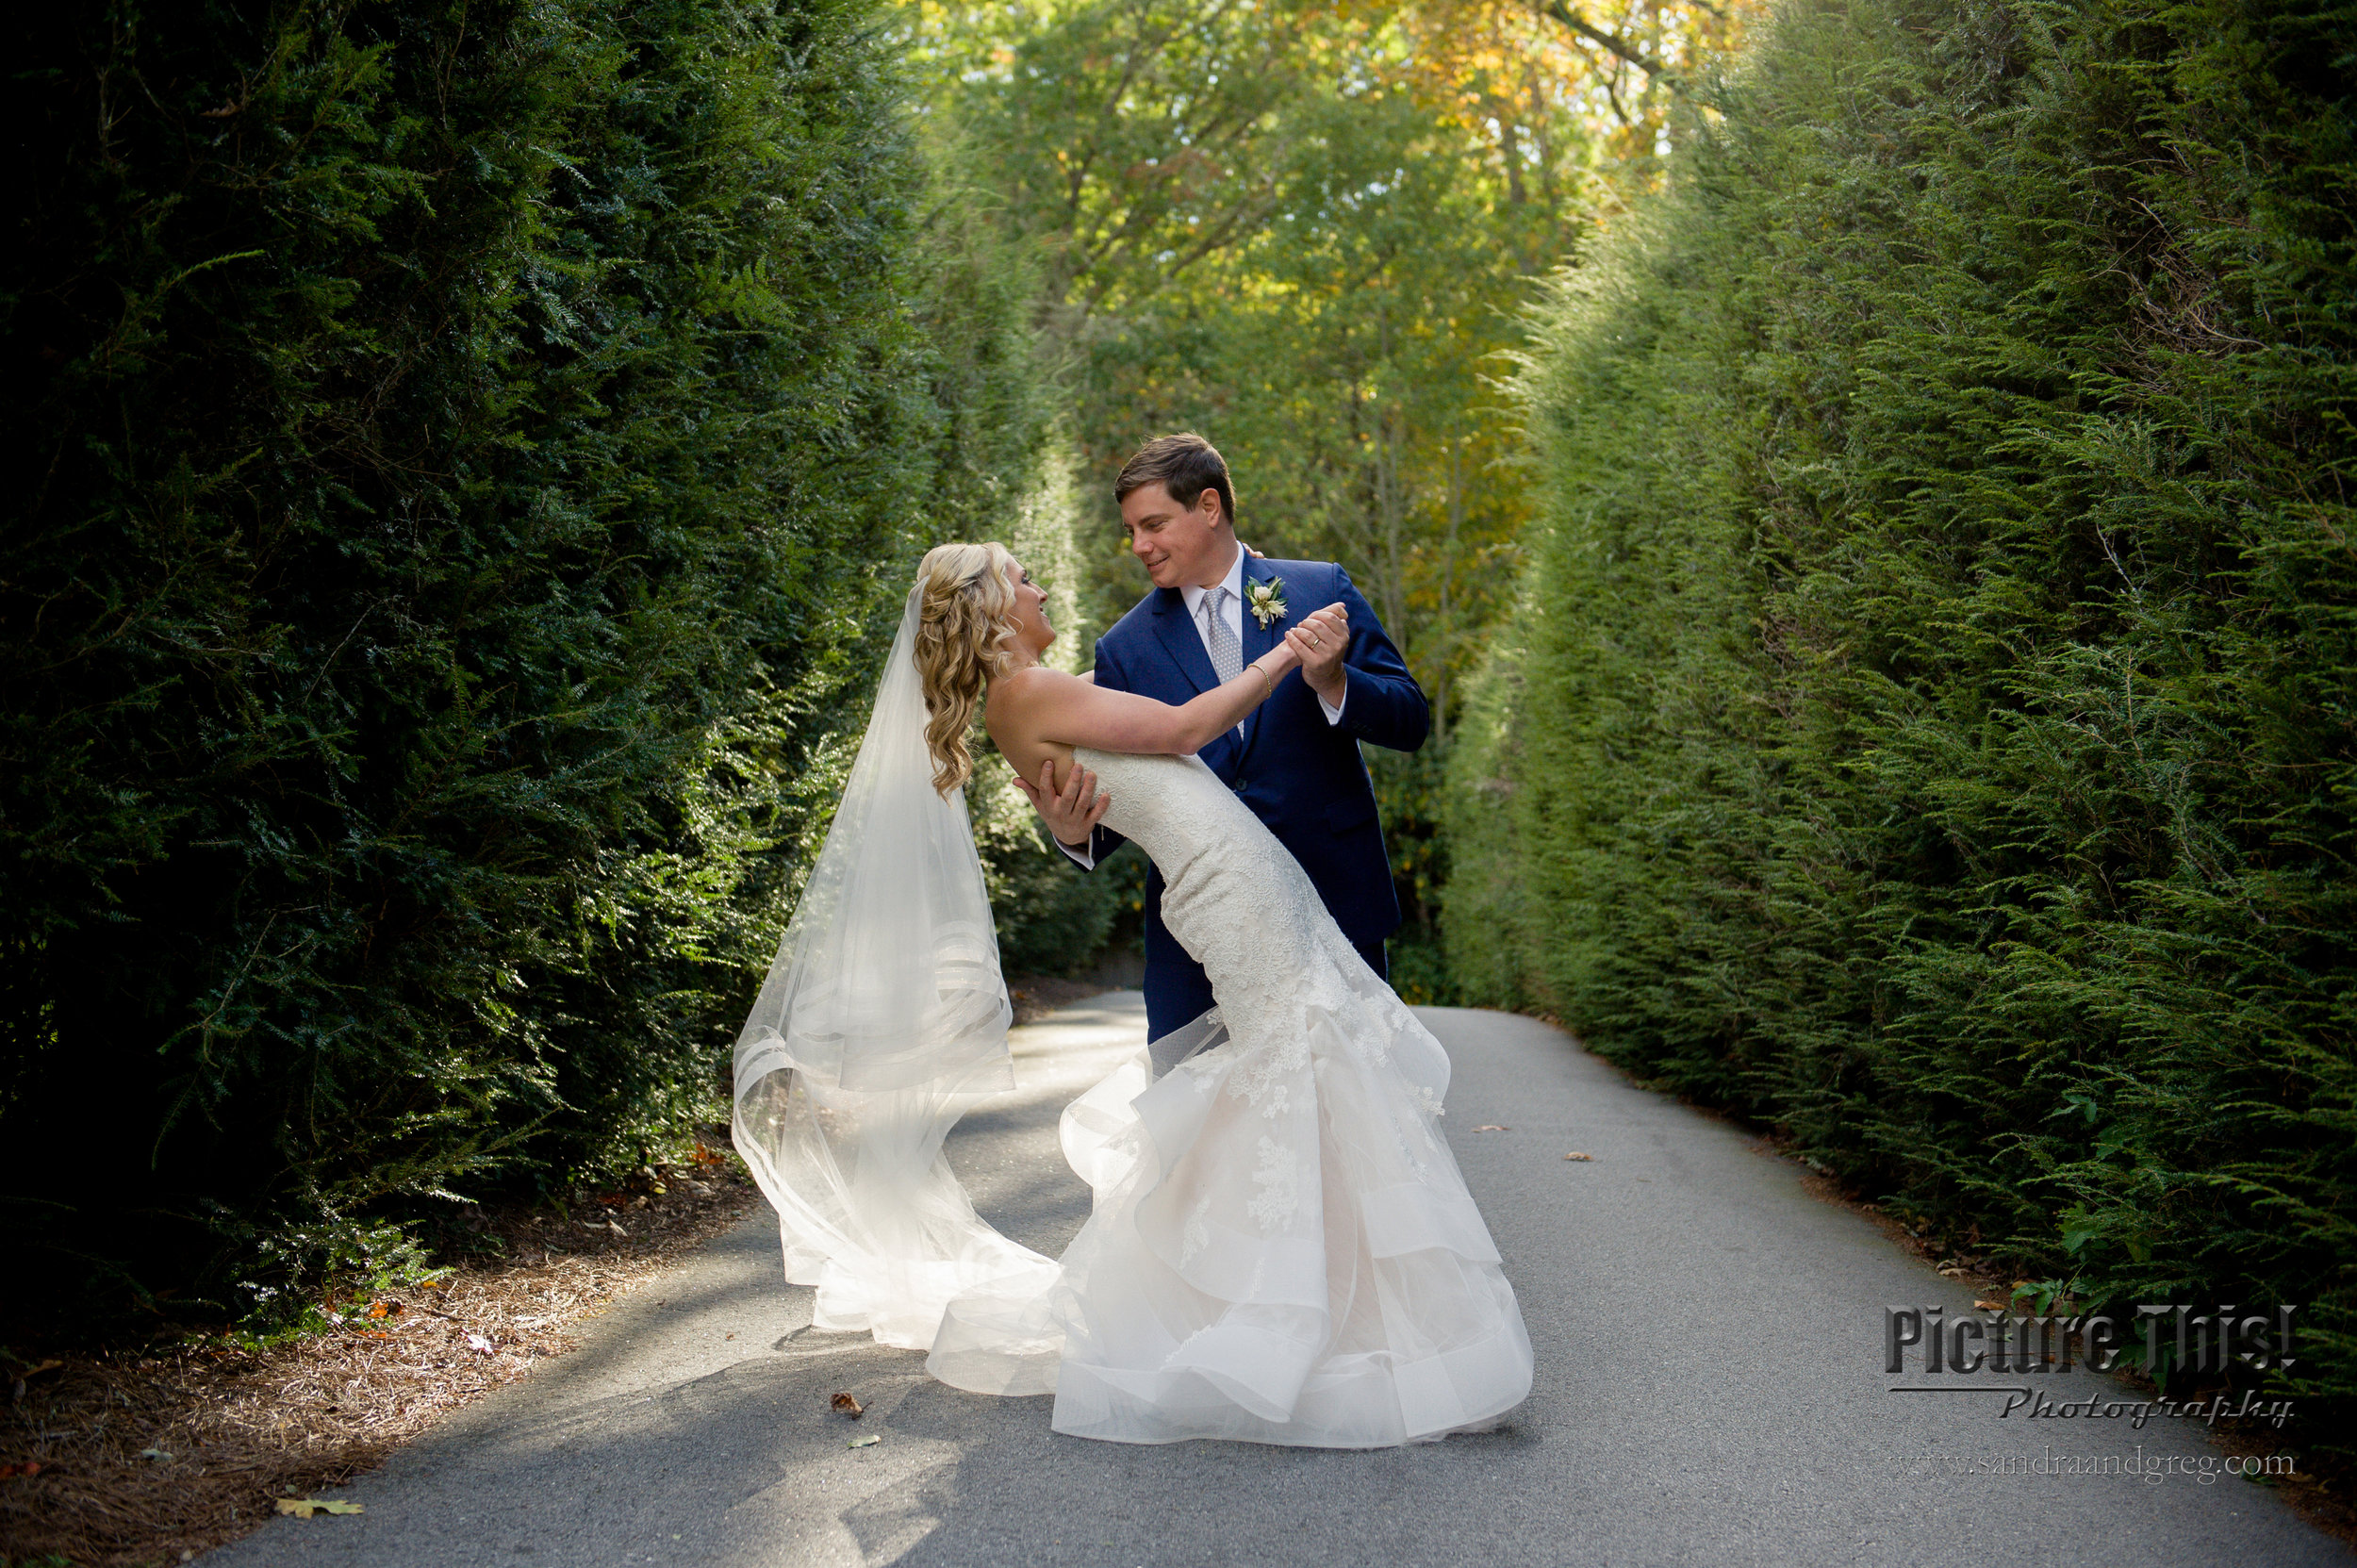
<point x="303" y="1508"/>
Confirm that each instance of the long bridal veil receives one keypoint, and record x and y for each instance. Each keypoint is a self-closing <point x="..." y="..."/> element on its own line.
<point x="882" y="1020"/>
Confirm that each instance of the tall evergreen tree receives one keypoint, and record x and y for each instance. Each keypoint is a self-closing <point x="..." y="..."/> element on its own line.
<point x="467" y="460"/>
<point x="1928" y="724"/>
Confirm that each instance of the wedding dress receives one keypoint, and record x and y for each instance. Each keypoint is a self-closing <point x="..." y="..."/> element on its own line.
<point x="1280" y="1249"/>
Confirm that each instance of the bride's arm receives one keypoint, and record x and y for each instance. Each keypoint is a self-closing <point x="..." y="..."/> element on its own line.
<point x="1050" y="706"/>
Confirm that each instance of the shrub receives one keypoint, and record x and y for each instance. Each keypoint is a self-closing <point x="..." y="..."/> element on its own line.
<point x="1928" y="728"/>
<point x="468" y="461"/>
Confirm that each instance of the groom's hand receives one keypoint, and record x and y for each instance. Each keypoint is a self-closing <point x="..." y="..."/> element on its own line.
<point x="1071" y="813"/>
<point x="1321" y="640"/>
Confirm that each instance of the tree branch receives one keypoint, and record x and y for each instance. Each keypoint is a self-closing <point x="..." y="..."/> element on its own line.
<point x="1557" y="10"/>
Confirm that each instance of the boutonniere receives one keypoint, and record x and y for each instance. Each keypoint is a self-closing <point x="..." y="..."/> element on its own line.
<point x="1266" y="600"/>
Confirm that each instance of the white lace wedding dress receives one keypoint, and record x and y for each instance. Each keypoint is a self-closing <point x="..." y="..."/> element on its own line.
<point x="1281" y="1248"/>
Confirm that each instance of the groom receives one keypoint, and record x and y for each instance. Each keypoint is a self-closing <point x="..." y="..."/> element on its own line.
<point x="1295" y="760"/>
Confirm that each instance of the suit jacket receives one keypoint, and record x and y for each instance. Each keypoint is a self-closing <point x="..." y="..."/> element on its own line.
<point x="1299" y="774"/>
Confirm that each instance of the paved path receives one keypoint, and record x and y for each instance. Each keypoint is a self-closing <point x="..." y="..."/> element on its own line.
<point x="1708" y="1392"/>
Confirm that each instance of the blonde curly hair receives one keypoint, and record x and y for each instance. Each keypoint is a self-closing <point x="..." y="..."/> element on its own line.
<point x="965" y="634"/>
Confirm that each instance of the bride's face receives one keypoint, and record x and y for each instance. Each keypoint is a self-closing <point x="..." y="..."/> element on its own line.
<point x="1032" y="631"/>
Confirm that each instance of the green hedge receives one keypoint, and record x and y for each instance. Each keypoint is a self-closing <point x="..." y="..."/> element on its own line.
<point x="1928" y="722"/>
<point x="466" y="462"/>
<point x="1052" y="919"/>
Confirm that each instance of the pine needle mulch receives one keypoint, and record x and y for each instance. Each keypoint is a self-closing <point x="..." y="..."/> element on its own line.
<point x="134" y="1458"/>
<point x="125" y="1459"/>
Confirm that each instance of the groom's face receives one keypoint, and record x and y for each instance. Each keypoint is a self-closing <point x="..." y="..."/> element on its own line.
<point x="1177" y="544"/>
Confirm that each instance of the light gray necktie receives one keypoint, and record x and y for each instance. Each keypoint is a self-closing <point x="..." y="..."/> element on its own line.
<point x="1226" y="656"/>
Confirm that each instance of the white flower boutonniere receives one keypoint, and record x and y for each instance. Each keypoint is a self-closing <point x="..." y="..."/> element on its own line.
<point x="1266" y="600"/>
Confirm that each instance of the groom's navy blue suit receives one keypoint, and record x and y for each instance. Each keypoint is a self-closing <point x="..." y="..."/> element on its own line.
<point x="1299" y="774"/>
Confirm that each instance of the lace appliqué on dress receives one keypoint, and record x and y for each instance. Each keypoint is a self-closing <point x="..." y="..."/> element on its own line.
<point x="1279" y="1180"/>
<point x="1196" y="1233"/>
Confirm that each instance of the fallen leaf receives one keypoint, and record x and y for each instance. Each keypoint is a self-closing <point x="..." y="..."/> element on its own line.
<point x="1577" y="1156"/>
<point x="39" y="1367"/>
<point x="371" y="1333"/>
<point x="303" y="1508"/>
<point x="844" y="1405"/>
<point x="477" y="1342"/>
<point x="25" y="1467"/>
<point x="1991" y="1306"/>
<point x="1493" y="1129"/>
<point x="156" y="1454"/>
<point x="862" y="1441"/>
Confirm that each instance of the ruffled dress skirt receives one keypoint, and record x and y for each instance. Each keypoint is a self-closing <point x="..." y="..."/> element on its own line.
<point x="1280" y="1248"/>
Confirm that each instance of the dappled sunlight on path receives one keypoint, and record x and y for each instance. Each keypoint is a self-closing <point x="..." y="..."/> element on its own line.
<point x="1708" y="1390"/>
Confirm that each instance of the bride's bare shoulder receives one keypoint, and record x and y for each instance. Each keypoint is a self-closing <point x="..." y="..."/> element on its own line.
<point x="1036" y="682"/>
<point x="1027" y="694"/>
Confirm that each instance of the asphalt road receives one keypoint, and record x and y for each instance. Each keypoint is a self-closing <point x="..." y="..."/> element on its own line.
<point x="1710" y="1390"/>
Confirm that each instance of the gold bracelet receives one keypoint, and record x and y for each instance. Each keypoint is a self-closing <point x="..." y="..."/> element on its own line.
<point x="1265" y="681"/>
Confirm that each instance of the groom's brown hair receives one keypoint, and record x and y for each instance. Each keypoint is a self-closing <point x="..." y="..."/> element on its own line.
<point x="1186" y="465"/>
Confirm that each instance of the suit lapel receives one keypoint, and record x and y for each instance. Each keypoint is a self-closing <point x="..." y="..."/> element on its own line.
<point x="1183" y="641"/>
<point x="1257" y="639"/>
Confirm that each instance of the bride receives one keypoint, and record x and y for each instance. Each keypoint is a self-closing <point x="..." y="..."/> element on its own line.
<point x="1280" y="1247"/>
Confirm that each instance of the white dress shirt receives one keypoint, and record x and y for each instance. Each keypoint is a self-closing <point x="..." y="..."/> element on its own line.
<point x="1232" y="613"/>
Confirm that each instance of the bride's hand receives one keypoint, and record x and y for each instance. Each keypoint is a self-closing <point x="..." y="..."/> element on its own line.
<point x="1320" y="637"/>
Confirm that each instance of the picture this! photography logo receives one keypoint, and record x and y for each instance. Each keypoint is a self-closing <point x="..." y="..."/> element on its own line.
<point x="2174" y="1337"/>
